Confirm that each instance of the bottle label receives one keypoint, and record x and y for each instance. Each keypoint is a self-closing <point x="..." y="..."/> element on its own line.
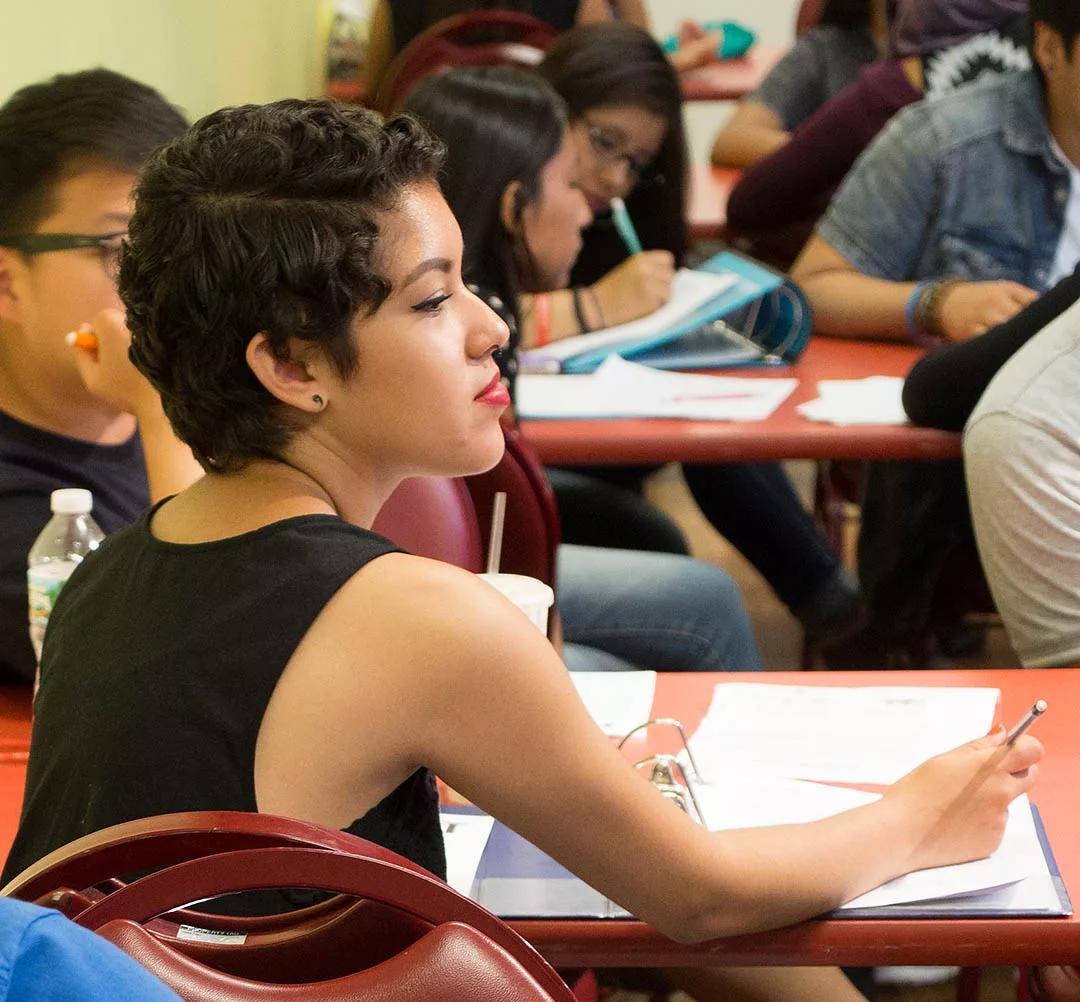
<point x="43" y="585"/>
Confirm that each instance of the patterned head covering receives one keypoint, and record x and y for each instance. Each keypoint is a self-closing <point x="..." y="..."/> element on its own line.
<point x="922" y="26"/>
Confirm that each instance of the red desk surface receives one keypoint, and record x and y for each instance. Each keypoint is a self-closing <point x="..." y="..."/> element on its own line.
<point x="14" y="749"/>
<point x="785" y="435"/>
<point x="731" y="79"/>
<point x="709" y="191"/>
<point x="967" y="942"/>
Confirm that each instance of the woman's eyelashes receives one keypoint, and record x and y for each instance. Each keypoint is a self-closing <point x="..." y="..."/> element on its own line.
<point x="432" y="304"/>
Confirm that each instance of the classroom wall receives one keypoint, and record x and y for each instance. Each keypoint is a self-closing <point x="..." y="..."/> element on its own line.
<point x="772" y="20"/>
<point x="201" y="54"/>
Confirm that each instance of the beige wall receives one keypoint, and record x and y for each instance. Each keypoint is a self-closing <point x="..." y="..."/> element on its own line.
<point x="201" y="54"/>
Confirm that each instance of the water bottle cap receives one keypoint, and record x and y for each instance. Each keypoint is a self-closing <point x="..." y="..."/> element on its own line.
<point x="72" y="501"/>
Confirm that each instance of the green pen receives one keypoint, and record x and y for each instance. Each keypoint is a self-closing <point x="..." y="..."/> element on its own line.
<point x="625" y="225"/>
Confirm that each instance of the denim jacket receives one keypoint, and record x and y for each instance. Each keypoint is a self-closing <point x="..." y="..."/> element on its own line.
<point x="966" y="185"/>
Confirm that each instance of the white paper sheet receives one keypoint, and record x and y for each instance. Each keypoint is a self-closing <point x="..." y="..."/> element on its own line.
<point x="689" y="292"/>
<point x="737" y="800"/>
<point x="868" y="734"/>
<point x="874" y="400"/>
<point x="617" y="700"/>
<point x="622" y="389"/>
<point x="465" y="837"/>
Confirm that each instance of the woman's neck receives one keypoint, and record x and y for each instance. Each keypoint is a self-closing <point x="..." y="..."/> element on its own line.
<point x="264" y="491"/>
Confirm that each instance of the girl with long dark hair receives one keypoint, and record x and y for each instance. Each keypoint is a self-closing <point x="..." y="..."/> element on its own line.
<point x="625" y="118"/>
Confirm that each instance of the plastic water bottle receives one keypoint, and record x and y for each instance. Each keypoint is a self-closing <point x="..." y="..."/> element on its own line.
<point x="67" y="537"/>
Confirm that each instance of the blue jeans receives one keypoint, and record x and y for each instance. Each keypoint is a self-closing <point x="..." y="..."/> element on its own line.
<point x="627" y="609"/>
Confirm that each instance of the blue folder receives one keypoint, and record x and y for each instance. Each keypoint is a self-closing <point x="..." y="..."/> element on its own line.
<point x="761" y="319"/>
<point x="516" y="880"/>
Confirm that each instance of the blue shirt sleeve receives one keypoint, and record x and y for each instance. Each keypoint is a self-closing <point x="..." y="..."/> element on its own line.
<point x="44" y="955"/>
<point x="880" y="219"/>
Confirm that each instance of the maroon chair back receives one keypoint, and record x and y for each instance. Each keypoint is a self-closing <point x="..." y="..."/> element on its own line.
<point x="77" y="875"/>
<point x="450" y="962"/>
<point x="433" y="517"/>
<point x="531" y="533"/>
<point x="476" y="38"/>
<point x="489" y="961"/>
<point x="808" y="16"/>
<point x="168" y="839"/>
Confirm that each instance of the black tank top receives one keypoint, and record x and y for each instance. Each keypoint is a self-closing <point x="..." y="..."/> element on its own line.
<point x="158" y="667"/>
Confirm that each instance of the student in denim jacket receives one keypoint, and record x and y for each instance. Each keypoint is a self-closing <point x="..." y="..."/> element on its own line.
<point x="958" y="215"/>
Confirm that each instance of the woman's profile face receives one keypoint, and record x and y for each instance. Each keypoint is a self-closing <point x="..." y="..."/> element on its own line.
<point x="552" y="222"/>
<point x="616" y="145"/>
<point x="426" y="397"/>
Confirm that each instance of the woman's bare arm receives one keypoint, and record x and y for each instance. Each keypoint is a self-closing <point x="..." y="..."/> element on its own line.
<point x="419" y="663"/>
<point x="753" y="131"/>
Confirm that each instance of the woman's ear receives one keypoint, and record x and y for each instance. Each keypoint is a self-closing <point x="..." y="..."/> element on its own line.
<point x="510" y="206"/>
<point x="290" y="380"/>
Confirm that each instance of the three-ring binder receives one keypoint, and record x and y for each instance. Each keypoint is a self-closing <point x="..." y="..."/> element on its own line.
<point x="663" y="768"/>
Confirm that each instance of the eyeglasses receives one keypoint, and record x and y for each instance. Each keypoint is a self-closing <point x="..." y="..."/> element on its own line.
<point x="608" y="148"/>
<point x="107" y="244"/>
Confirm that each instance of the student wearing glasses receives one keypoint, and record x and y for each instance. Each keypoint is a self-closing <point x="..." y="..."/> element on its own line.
<point x="625" y="111"/>
<point x="69" y="150"/>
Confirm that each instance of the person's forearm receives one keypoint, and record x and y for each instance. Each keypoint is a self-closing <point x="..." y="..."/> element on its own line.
<point x="791" y="873"/>
<point x="850" y="304"/>
<point x="170" y="466"/>
<point x="745" y="145"/>
<point x="564" y="320"/>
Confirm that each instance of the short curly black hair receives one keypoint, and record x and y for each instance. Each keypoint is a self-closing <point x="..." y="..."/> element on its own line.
<point x="259" y="219"/>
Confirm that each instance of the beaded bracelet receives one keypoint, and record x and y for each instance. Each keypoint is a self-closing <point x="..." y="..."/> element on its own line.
<point x="922" y="314"/>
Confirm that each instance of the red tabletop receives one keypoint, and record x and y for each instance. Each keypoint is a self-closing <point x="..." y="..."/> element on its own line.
<point x="854" y="942"/>
<point x="731" y="79"/>
<point x="14" y="750"/>
<point x="785" y="435"/>
<point x="709" y="191"/>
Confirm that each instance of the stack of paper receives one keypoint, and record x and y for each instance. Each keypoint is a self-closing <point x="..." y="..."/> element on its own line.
<point x="874" y="400"/>
<point x="622" y="389"/>
<point x="809" y="731"/>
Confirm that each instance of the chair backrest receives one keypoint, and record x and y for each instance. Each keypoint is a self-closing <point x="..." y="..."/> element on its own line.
<point x="476" y="38"/>
<point x="433" y="517"/>
<point x="168" y="839"/>
<point x="490" y="954"/>
<point x="453" y="961"/>
<point x="809" y="13"/>
<point x="531" y="533"/>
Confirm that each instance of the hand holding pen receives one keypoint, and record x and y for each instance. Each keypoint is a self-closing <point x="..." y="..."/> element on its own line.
<point x="1036" y="711"/>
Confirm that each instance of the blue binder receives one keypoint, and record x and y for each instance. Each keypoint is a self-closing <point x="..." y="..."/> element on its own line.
<point x="516" y="880"/>
<point x="761" y="319"/>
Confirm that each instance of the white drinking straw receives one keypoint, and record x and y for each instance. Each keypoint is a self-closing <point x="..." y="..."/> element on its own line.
<point x="498" y="517"/>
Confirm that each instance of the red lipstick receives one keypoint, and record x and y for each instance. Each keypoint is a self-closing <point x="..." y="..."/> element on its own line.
<point x="494" y="393"/>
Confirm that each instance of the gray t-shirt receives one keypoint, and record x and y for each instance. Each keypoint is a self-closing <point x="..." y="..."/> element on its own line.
<point x="816" y="68"/>
<point x="1022" y="459"/>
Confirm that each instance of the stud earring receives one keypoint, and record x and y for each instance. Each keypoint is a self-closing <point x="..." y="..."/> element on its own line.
<point x="317" y="400"/>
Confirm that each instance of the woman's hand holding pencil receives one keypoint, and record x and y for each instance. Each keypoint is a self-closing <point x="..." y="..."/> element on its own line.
<point x="638" y="286"/>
